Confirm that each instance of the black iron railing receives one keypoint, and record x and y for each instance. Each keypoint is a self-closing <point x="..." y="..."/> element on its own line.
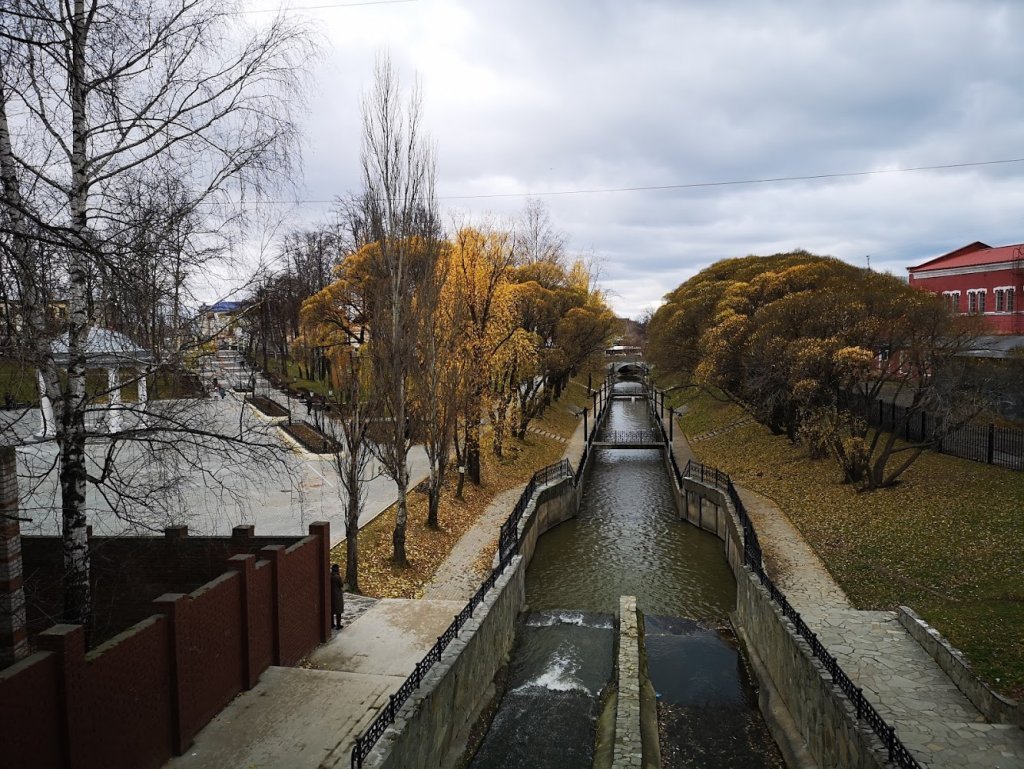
<point x="508" y="547"/>
<point x="898" y="752"/>
<point x="632" y="437"/>
<point x="989" y="443"/>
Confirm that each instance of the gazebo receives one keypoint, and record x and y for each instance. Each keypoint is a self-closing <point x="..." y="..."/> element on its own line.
<point x="103" y="349"/>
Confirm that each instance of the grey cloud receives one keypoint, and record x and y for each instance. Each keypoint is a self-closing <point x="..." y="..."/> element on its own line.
<point x="534" y="97"/>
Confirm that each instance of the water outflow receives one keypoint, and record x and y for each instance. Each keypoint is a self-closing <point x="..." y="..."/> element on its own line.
<point x="626" y="540"/>
<point x="561" y="664"/>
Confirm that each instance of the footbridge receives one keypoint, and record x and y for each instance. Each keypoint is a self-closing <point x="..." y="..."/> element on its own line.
<point x="627" y="367"/>
<point x="630" y="439"/>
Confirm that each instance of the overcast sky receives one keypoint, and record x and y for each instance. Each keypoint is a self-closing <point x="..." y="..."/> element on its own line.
<point x="546" y="97"/>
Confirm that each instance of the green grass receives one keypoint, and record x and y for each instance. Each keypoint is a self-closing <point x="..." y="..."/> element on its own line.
<point x="946" y="541"/>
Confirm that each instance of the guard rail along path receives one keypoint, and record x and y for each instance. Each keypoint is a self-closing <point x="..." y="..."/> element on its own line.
<point x="711" y="476"/>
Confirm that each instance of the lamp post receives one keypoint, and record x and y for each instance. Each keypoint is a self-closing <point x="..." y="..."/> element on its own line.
<point x="586" y="430"/>
<point x="670" y="424"/>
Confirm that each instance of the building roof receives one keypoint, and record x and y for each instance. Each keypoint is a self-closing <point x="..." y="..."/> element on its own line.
<point x="1003" y="346"/>
<point x="103" y="347"/>
<point x="223" y="306"/>
<point x="974" y="254"/>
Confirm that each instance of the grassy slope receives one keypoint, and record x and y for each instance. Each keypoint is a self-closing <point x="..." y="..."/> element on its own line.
<point x="946" y="541"/>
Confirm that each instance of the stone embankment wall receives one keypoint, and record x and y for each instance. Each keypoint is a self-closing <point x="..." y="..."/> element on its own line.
<point x="804" y="710"/>
<point x="992" y="705"/>
<point x="430" y="727"/>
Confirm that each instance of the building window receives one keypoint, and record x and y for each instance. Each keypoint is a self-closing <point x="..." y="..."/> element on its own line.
<point x="1004" y="299"/>
<point x="953" y="300"/>
<point x="976" y="300"/>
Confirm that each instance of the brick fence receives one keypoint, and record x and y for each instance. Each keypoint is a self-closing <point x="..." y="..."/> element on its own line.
<point x="143" y="695"/>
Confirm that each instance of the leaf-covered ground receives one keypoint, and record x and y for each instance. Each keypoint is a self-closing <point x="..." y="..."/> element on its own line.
<point x="947" y="541"/>
<point x="427" y="548"/>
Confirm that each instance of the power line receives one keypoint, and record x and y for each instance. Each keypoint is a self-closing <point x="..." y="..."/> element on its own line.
<point x="735" y="182"/>
<point x="684" y="186"/>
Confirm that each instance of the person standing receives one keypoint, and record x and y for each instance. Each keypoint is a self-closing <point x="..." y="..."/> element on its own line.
<point x="337" y="596"/>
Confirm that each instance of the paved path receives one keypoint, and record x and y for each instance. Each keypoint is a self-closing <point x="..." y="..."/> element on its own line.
<point x="937" y="723"/>
<point x="456" y="578"/>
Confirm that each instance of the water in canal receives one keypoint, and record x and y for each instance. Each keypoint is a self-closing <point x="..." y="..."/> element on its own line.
<point x="627" y="540"/>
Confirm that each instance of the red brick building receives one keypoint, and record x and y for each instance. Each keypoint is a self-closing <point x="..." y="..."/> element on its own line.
<point x="978" y="278"/>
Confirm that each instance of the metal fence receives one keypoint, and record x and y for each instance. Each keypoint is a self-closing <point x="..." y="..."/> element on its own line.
<point x="508" y="546"/>
<point x="898" y="752"/>
<point x="631" y="437"/>
<point x="989" y="443"/>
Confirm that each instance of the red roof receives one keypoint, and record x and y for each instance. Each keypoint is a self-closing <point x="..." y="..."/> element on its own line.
<point x="972" y="255"/>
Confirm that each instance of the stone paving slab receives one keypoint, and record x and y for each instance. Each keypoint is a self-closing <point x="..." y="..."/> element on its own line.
<point x="292" y="719"/>
<point x="456" y="579"/>
<point x="389" y="639"/>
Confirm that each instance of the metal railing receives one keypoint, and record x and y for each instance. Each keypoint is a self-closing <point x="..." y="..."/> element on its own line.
<point x="898" y="752"/>
<point x="631" y="437"/>
<point x="989" y="443"/>
<point x="508" y="547"/>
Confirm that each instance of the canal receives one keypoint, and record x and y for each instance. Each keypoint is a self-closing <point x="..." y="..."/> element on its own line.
<point x="627" y="540"/>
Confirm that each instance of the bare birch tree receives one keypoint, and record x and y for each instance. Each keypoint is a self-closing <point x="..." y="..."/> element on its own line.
<point x="399" y="211"/>
<point x="351" y="432"/>
<point x="91" y="93"/>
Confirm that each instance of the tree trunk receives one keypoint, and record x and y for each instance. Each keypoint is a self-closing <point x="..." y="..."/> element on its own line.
<point x="472" y="442"/>
<point x="77" y="597"/>
<point x="433" y="505"/>
<point x="352" y="524"/>
<point x="401" y="519"/>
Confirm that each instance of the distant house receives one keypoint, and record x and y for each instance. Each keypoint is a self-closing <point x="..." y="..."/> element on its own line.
<point x="217" y="323"/>
<point x="979" y="279"/>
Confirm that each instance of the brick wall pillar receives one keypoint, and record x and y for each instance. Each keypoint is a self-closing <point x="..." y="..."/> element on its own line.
<point x="275" y="554"/>
<point x="67" y="642"/>
<point x="13" y="636"/>
<point x="322" y="530"/>
<point x="173" y="606"/>
<point x="245" y="565"/>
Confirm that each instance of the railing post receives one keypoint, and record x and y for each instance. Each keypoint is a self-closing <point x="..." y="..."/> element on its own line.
<point x="991" y="442"/>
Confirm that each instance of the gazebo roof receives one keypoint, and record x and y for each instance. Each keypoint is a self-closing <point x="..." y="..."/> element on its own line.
<point x="103" y="347"/>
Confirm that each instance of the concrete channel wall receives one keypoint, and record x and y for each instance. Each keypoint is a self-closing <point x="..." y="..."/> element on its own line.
<point x="805" y="712"/>
<point x="432" y="725"/>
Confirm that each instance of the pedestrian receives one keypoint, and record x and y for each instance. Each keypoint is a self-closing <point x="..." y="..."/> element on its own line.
<point x="309" y="403"/>
<point x="337" y="596"/>
<point x="223" y="392"/>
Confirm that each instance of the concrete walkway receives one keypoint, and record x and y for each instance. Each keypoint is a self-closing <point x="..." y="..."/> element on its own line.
<point x="937" y="723"/>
